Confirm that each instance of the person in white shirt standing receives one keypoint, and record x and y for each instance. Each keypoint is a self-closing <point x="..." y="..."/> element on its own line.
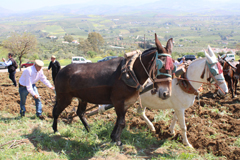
<point x="27" y="82"/>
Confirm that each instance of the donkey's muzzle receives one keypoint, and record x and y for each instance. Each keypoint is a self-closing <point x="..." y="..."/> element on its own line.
<point x="163" y="94"/>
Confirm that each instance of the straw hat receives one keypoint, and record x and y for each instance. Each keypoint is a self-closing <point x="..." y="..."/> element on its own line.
<point x="39" y="63"/>
<point x="53" y="57"/>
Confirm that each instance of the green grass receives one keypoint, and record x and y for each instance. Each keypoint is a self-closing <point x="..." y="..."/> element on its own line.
<point x="31" y="138"/>
<point x="163" y="115"/>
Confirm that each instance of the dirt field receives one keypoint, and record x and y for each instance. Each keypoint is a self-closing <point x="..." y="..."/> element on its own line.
<point x="213" y="126"/>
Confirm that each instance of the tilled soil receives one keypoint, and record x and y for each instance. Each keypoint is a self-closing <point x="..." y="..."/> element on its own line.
<point x="213" y="124"/>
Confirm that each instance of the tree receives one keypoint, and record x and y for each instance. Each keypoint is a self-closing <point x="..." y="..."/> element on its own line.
<point x="92" y="54"/>
<point x="20" y="45"/>
<point x="85" y="46"/>
<point x="68" y="38"/>
<point x="92" y="43"/>
<point x="96" y="40"/>
<point x="201" y="54"/>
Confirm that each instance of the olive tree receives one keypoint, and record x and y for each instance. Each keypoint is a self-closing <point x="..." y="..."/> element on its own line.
<point x="96" y="40"/>
<point x="20" y="45"/>
<point x="92" y="43"/>
<point x="68" y="38"/>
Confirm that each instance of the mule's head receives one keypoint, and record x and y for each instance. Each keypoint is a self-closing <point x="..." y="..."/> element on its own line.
<point x="216" y="72"/>
<point x="164" y="68"/>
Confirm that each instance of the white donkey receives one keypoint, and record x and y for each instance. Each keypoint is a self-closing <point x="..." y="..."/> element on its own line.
<point x="199" y="70"/>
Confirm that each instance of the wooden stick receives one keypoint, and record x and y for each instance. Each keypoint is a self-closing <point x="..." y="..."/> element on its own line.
<point x="13" y="143"/>
<point x="91" y="107"/>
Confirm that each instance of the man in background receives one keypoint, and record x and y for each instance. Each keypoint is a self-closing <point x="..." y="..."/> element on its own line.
<point x="55" y="65"/>
<point x="27" y="82"/>
<point x="12" y="66"/>
<point x="183" y="60"/>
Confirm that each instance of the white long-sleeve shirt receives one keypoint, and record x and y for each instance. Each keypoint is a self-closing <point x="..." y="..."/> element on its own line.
<point x="8" y="63"/>
<point x="31" y="76"/>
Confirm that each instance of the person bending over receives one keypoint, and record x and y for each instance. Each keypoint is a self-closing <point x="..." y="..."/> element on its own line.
<point x="27" y="82"/>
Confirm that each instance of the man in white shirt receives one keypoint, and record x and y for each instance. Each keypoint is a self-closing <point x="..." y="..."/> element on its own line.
<point x="27" y="81"/>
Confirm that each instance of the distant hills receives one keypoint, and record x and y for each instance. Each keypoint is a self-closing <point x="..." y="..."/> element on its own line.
<point x="169" y="7"/>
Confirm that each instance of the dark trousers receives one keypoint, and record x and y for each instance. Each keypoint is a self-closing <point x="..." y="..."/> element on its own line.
<point x="53" y="77"/>
<point x="12" y="77"/>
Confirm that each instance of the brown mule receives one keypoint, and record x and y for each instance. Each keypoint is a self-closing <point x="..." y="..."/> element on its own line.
<point x="101" y="83"/>
<point x="231" y="75"/>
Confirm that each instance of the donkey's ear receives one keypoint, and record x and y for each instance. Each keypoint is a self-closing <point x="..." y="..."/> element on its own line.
<point x="208" y="57"/>
<point x="210" y="51"/>
<point x="169" y="46"/>
<point x="159" y="45"/>
<point x="224" y="57"/>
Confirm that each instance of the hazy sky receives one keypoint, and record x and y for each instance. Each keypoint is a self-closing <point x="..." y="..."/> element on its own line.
<point x="20" y="5"/>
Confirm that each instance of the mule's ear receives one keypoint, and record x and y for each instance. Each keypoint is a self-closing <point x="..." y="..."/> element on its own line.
<point x="210" y="51"/>
<point x="159" y="45"/>
<point x="208" y="57"/>
<point x="224" y="57"/>
<point x="169" y="46"/>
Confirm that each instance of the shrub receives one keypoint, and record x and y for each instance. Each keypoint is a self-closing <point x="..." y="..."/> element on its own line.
<point x="201" y="54"/>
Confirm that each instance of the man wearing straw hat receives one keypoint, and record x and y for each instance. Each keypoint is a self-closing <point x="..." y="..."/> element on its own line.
<point x="27" y="82"/>
<point x="55" y="65"/>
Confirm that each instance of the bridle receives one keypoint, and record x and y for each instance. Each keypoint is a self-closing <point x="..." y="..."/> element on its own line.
<point x="212" y="73"/>
<point x="155" y="66"/>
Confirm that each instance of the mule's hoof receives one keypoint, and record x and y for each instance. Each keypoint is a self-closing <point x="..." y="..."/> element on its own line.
<point x="172" y="133"/>
<point x="119" y="143"/>
<point x="188" y="145"/>
<point x="57" y="133"/>
<point x="153" y="132"/>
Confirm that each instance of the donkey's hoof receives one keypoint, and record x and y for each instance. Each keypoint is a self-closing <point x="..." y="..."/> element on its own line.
<point x="57" y="133"/>
<point x="189" y="145"/>
<point x="119" y="143"/>
<point x="153" y="132"/>
<point x="172" y="133"/>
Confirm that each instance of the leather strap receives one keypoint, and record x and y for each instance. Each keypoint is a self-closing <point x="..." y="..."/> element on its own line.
<point x="186" y="86"/>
